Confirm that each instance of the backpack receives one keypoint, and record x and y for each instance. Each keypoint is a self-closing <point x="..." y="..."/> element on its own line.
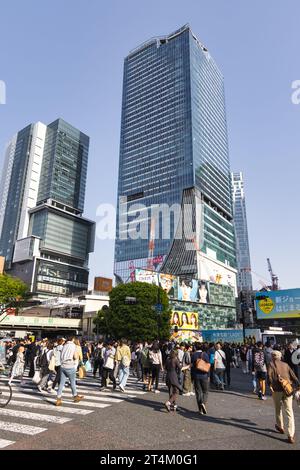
<point x="44" y="361"/>
<point x="259" y="360"/>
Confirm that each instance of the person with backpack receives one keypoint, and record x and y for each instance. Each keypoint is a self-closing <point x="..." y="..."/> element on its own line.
<point x="219" y="367"/>
<point x="123" y="357"/>
<point x="98" y="359"/>
<point x="44" y="365"/>
<point x="200" y="375"/>
<point x="282" y="380"/>
<point x="259" y="368"/>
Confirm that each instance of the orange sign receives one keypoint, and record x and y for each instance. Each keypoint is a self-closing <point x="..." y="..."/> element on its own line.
<point x="102" y="284"/>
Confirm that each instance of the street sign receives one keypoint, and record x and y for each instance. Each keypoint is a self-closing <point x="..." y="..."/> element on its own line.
<point x="159" y="307"/>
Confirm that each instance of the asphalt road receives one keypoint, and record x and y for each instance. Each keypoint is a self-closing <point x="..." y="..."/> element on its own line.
<point x="236" y="420"/>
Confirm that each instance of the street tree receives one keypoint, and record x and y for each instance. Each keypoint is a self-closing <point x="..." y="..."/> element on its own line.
<point x="137" y="311"/>
<point x="13" y="292"/>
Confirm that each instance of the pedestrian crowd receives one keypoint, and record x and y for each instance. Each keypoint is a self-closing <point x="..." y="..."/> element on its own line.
<point x="187" y="369"/>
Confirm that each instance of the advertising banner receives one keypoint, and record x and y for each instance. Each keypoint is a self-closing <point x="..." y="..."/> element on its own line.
<point x="229" y="336"/>
<point x="278" y="304"/>
<point x="169" y="284"/>
<point x="184" y="320"/>
<point x="142" y="275"/>
<point x="192" y="290"/>
<point x="218" y="273"/>
<point x="187" y="336"/>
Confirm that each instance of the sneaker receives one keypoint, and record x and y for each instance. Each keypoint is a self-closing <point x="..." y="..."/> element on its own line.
<point x="58" y="402"/>
<point x="168" y="406"/>
<point x="174" y="408"/>
<point x="291" y="439"/>
<point x="279" y="429"/>
<point x="192" y="394"/>
<point x="156" y="391"/>
<point x="122" y="388"/>
<point x="203" y="407"/>
<point x="186" y="394"/>
<point x="263" y="397"/>
<point x="78" y="398"/>
<point x="40" y="389"/>
<point x="51" y="391"/>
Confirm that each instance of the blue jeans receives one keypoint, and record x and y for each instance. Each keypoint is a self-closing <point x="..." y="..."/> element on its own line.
<point x="123" y="375"/>
<point x="220" y="377"/>
<point x="64" y="375"/>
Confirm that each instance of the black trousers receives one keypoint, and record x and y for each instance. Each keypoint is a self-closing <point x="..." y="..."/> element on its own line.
<point x="155" y="374"/>
<point x="57" y="377"/>
<point x="108" y="373"/>
<point x="201" y="390"/>
<point x="228" y="376"/>
<point x="98" y="364"/>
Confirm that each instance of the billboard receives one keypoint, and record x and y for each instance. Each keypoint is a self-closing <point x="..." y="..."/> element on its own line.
<point x="192" y="290"/>
<point x="187" y="336"/>
<point x="218" y="273"/>
<point x="169" y="284"/>
<point x="143" y="275"/>
<point x="229" y="336"/>
<point x="102" y="284"/>
<point x="184" y="320"/>
<point x="278" y="304"/>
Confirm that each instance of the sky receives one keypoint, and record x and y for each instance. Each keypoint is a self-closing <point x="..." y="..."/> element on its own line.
<point x="65" y="59"/>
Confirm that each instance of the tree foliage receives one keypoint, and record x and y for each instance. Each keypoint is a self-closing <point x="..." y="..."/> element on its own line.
<point x="140" y="321"/>
<point x="13" y="291"/>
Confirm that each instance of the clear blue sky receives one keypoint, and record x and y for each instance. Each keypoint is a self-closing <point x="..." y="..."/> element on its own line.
<point x="65" y="59"/>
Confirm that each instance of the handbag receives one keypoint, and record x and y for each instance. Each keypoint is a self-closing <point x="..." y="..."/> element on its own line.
<point x="202" y="365"/>
<point x="37" y="377"/>
<point x="51" y="365"/>
<point x="81" y="372"/>
<point x="88" y="366"/>
<point x="287" y="387"/>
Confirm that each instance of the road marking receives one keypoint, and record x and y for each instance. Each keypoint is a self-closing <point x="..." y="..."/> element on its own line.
<point x="20" y="428"/>
<point x="83" y="390"/>
<point x="70" y="397"/>
<point x="5" y="443"/>
<point x="61" y="409"/>
<point x="34" y="416"/>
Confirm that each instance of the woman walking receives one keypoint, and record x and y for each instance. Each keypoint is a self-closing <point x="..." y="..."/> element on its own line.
<point x="200" y="374"/>
<point x="277" y="372"/>
<point x="173" y="367"/>
<point x="108" y="367"/>
<point x="19" y="365"/>
<point x="44" y="364"/>
<point x="156" y="365"/>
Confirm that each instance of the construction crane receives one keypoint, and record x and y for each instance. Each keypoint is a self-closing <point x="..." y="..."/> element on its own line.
<point x="274" y="278"/>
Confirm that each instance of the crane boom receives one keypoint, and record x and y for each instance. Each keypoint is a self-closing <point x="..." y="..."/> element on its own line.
<point x="274" y="278"/>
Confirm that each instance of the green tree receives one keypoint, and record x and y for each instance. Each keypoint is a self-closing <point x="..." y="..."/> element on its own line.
<point x="135" y="321"/>
<point x="13" y="292"/>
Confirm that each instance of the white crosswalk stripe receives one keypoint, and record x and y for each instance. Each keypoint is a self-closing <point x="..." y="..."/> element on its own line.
<point x="5" y="443"/>
<point x="29" y="408"/>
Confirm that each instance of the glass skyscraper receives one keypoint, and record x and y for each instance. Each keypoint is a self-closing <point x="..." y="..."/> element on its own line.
<point x="43" y="237"/>
<point x="244" y="278"/>
<point x="174" y="150"/>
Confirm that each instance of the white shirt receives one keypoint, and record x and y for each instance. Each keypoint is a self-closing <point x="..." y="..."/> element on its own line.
<point x="219" y="354"/>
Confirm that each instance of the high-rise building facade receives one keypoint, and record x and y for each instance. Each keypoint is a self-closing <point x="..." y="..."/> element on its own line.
<point x="244" y="278"/>
<point x="174" y="151"/>
<point x="43" y="237"/>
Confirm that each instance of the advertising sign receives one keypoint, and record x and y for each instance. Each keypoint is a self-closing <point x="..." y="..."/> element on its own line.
<point x="278" y="304"/>
<point x="142" y="275"/>
<point x="184" y="320"/>
<point x="102" y="284"/>
<point x="187" y="336"/>
<point x="193" y="290"/>
<point x="169" y="284"/>
<point x="229" y="336"/>
<point x="214" y="271"/>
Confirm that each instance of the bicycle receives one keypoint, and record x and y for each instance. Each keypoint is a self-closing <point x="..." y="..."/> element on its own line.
<point x="5" y="395"/>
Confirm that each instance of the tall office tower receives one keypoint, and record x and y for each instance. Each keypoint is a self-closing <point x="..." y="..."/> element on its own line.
<point x="244" y="278"/>
<point x="174" y="151"/>
<point x="44" y="237"/>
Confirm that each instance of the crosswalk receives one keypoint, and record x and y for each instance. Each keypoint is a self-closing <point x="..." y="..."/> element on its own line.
<point x="31" y="412"/>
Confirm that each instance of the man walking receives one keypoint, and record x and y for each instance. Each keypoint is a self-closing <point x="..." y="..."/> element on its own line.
<point x="68" y="370"/>
<point x="123" y="357"/>
<point x="219" y="367"/>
